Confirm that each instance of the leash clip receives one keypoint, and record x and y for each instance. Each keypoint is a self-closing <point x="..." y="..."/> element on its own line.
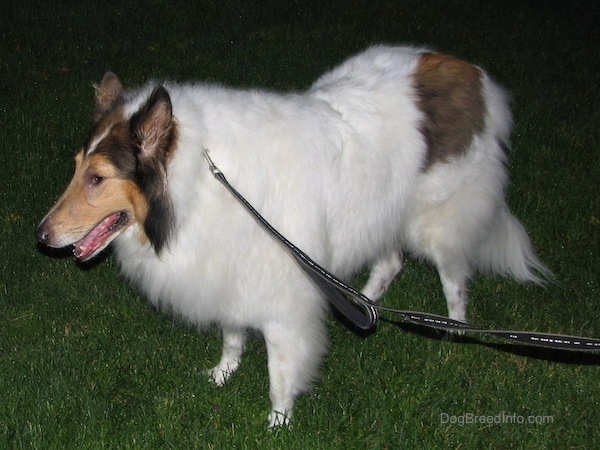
<point x="211" y="165"/>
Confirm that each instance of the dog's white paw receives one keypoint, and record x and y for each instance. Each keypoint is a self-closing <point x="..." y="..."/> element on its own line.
<point x="278" y="419"/>
<point x="219" y="376"/>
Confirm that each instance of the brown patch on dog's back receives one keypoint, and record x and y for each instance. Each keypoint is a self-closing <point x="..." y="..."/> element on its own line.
<point x="450" y="95"/>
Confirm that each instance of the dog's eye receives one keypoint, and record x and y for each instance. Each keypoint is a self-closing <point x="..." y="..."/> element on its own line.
<point x="93" y="178"/>
<point x="96" y="179"/>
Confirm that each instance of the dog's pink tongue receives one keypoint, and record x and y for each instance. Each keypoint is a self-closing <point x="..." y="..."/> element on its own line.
<point x="94" y="239"/>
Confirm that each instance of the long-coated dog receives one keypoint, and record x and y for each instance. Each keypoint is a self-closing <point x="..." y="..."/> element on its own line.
<point x="396" y="150"/>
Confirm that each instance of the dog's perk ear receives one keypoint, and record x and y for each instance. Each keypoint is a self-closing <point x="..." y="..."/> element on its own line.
<point x="108" y="92"/>
<point x="155" y="131"/>
<point x="153" y="124"/>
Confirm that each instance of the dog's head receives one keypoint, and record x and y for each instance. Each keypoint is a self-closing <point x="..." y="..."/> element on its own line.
<point x="120" y="178"/>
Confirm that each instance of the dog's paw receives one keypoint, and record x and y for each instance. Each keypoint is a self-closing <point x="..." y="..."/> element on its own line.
<point x="278" y="419"/>
<point x="454" y="336"/>
<point x="218" y="375"/>
<point x="222" y="371"/>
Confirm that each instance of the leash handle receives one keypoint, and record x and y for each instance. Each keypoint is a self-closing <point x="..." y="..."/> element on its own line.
<point x="363" y="313"/>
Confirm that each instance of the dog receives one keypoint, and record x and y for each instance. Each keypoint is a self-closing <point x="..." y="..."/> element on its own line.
<point x="397" y="150"/>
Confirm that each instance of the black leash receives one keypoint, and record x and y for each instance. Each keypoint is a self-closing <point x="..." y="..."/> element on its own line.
<point x="363" y="313"/>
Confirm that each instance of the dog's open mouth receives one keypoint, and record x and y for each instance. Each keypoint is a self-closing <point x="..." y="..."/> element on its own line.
<point x="100" y="236"/>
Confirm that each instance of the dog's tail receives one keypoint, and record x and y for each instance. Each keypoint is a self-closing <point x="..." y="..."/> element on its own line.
<point x="508" y="252"/>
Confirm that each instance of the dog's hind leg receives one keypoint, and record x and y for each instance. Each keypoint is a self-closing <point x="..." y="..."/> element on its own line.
<point x="454" y="279"/>
<point x="233" y="348"/>
<point x="382" y="274"/>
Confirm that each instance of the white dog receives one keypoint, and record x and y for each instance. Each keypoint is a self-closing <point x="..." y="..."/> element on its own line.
<point x="398" y="149"/>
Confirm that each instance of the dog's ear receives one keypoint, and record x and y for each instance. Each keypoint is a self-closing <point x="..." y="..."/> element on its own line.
<point x="108" y="92"/>
<point x="155" y="131"/>
<point x="153" y="124"/>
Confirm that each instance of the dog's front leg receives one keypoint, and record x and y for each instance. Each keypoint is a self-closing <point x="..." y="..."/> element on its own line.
<point x="234" y="340"/>
<point x="295" y="350"/>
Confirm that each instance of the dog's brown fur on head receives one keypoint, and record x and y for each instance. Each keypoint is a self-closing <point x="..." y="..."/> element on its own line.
<point x="95" y="192"/>
<point x="120" y="176"/>
<point x="108" y="92"/>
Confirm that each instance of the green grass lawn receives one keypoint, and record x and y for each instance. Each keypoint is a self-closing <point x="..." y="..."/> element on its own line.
<point x="86" y="363"/>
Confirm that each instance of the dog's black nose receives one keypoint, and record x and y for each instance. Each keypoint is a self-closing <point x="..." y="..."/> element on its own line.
<point x="42" y="235"/>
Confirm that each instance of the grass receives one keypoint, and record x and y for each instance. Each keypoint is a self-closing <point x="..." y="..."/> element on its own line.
<point x="85" y="363"/>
